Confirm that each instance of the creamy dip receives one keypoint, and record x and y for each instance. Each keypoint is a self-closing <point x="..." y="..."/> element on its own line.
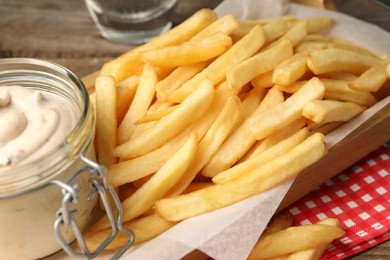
<point x="32" y="122"/>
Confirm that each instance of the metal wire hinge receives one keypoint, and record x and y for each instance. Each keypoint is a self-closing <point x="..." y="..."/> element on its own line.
<point x="67" y="217"/>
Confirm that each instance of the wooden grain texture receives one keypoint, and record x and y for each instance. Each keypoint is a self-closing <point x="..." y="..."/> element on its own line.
<point x="62" y="31"/>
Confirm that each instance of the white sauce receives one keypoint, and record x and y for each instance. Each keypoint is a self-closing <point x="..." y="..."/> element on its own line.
<point x="32" y="123"/>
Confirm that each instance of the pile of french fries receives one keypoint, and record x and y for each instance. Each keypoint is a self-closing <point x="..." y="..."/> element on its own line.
<point x="217" y="110"/>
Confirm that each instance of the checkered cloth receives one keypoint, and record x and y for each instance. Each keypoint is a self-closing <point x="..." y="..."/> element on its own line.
<point x="360" y="198"/>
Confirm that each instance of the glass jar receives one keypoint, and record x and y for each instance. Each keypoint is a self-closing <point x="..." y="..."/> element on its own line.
<point x="54" y="190"/>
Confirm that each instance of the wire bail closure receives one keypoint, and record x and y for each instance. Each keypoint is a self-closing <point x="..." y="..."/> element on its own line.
<point x="66" y="217"/>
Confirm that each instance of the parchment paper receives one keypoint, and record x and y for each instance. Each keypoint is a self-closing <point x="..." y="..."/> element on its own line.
<point x="231" y="232"/>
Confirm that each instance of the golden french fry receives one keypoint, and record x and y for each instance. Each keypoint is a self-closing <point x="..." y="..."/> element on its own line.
<point x="294" y="239"/>
<point x="177" y="78"/>
<point x="144" y="229"/>
<point x="315" y="253"/>
<point x="89" y="81"/>
<point x="226" y="24"/>
<point x="275" y="138"/>
<point x="279" y="222"/>
<point x="325" y="111"/>
<point x="210" y="143"/>
<point x="251" y="164"/>
<point x="371" y="80"/>
<point x="263" y="124"/>
<point x="333" y="59"/>
<point x="263" y="80"/>
<point x="274" y="30"/>
<point x="343" y="44"/>
<point x="319" y="24"/>
<point x="188" y="53"/>
<point x="139" y="106"/>
<point x="125" y="92"/>
<point x="295" y="35"/>
<point x="239" y="142"/>
<point x="388" y="70"/>
<point x="323" y="128"/>
<point x="339" y="90"/>
<point x="310" y="46"/>
<point x="172" y="124"/>
<point x="262" y="62"/>
<point x="269" y="175"/>
<point x="250" y="103"/>
<point x="126" y="64"/>
<point x="106" y="123"/>
<point x="291" y="88"/>
<point x="216" y="71"/>
<point x="290" y="70"/>
<point x="156" y="115"/>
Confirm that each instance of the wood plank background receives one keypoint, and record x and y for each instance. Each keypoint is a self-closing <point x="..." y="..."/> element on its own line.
<point x="62" y="31"/>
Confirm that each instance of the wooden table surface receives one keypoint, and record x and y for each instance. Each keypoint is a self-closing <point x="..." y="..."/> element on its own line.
<point x="62" y="31"/>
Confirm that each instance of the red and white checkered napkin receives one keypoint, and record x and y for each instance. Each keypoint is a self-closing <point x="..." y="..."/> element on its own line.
<point x="360" y="198"/>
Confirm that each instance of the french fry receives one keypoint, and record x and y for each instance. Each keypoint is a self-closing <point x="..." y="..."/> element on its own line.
<point x="294" y="239"/>
<point x="170" y="125"/>
<point x="291" y="88"/>
<point x="388" y="70"/>
<point x="126" y="64"/>
<point x="144" y="229"/>
<point x="106" y="119"/>
<point x="188" y="53"/>
<point x="216" y="71"/>
<point x="339" y="90"/>
<point x="263" y="124"/>
<point x="125" y="92"/>
<point x="315" y="253"/>
<point x="177" y="78"/>
<point x="250" y="103"/>
<point x="325" y="111"/>
<point x="262" y="62"/>
<point x="295" y="35"/>
<point x="319" y="24"/>
<point x="290" y="70"/>
<point x="220" y="195"/>
<point x="89" y="81"/>
<point x="239" y="142"/>
<point x="333" y="59"/>
<point x="139" y="106"/>
<point x="275" y="138"/>
<point x="210" y="143"/>
<point x="251" y="164"/>
<point x="323" y="128"/>
<point x="274" y="30"/>
<point x="226" y="24"/>
<point x="279" y="222"/>
<point x="344" y="44"/>
<point x="156" y="115"/>
<point x="371" y="80"/>
<point x="310" y="46"/>
<point x="263" y="80"/>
